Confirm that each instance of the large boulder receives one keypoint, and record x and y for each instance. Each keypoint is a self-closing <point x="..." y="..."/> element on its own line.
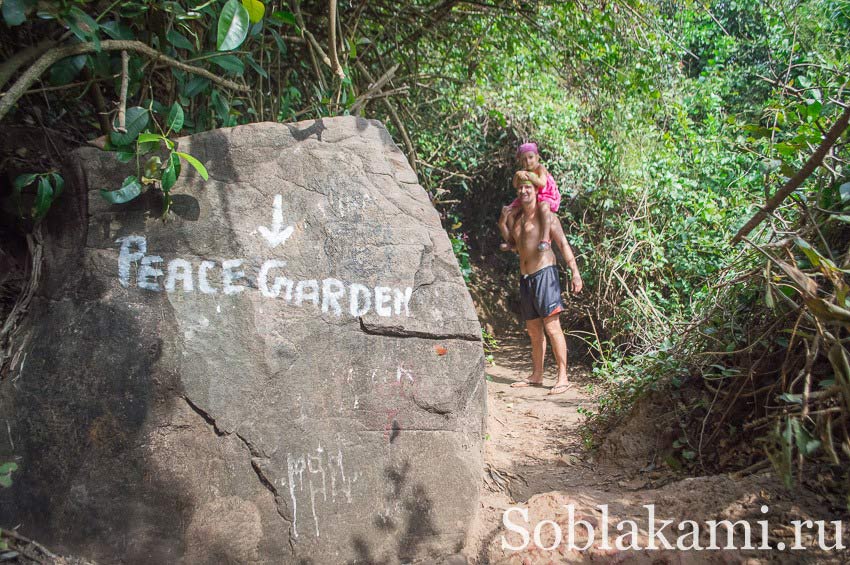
<point x="287" y="369"/>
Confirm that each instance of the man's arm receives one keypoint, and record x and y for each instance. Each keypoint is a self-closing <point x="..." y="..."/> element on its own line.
<point x="560" y="241"/>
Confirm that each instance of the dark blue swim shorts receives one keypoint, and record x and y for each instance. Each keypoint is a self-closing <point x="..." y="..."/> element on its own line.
<point x="540" y="293"/>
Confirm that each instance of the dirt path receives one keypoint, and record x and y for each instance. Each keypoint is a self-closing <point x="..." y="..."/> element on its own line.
<point x="534" y="458"/>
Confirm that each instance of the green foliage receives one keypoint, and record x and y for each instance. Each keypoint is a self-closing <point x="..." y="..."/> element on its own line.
<point x="157" y="172"/>
<point x="47" y="188"/>
<point x="461" y="251"/>
<point x="491" y="344"/>
<point x="6" y="470"/>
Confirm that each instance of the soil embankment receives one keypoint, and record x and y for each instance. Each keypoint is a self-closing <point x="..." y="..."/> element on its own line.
<point x="534" y="459"/>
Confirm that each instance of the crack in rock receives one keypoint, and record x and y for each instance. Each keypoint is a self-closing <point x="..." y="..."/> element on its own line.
<point x="439" y="409"/>
<point x="257" y="457"/>
<point x="399" y="331"/>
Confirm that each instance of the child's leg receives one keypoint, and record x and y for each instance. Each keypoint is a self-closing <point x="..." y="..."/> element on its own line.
<point x="544" y="218"/>
<point x="506" y="224"/>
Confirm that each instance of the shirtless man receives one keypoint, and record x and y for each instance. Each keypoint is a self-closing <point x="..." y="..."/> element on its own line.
<point x="540" y="290"/>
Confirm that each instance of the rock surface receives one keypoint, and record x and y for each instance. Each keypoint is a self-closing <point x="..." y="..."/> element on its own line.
<point x="289" y="369"/>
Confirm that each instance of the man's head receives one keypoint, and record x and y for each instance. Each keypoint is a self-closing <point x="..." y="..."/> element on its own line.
<point x="528" y="156"/>
<point x="526" y="192"/>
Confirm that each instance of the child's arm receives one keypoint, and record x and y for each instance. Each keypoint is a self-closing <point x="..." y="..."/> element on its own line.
<point x="519" y="176"/>
<point x="539" y="176"/>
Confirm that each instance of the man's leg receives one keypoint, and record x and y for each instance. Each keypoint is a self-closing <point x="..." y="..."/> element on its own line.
<point x="538" y="348"/>
<point x="552" y="324"/>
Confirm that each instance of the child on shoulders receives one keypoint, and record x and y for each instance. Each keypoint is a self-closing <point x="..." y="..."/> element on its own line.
<point x="548" y="197"/>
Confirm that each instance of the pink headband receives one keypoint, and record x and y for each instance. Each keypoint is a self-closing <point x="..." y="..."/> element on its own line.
<point x="526" y="147"/>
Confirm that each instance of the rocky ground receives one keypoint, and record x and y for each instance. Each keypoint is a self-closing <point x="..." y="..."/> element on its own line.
<point x="535" y="460"/>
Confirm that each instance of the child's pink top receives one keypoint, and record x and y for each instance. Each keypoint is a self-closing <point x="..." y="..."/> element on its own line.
<point x="548" y="193"/>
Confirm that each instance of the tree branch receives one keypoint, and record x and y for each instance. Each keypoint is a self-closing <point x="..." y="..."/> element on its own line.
<point x="794" y="182"/>
<point x="122" y="101"/>
<point x="335" y="67"/>
<point x="55" y="54"/>
<point x="373" y="89"/>
<point x="411" y="152"/>
<point x="21" y="58"/>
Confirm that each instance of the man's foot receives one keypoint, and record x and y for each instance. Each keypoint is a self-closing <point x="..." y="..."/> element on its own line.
<point x="526" y="383"/>
<point x="507" y="247"/>
<point x="543" y="245"/>
<point x="559" y="389"/>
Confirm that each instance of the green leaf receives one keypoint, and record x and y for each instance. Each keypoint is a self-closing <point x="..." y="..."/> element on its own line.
<point x="58" y="184"/>
<point x="153" y="168"/>
<point x="128" y="191"/>
<point x="43" y="198"/>
<point x="83" y="26"/>
<point x="15" y="12"/>
<point x="230" y="63"/>
<point x="148" y="137"/>
<point x="256" y="66"/>
<point x="195" y="86"/>
<point x="791" y="398"/>
<point x="25" y="180"/>
<point x="176" y="117"/>
<point x="281" y="46"/>
<point x="232" y="26"/>
<point x="5" y="481"/>
<point x="195" y="163"/>
<point x="220" y="105"/>
<point x="148" y="146"/>
<point x="64" y="71"/>
<point x="136" y="120"/>
<point x="117" y="30"/>
<point x="171" y="172"/>
<point x="7" y="468"/>
<point x="125" y="156"/>
<point x="256" y="10"/>
<point x="179" y="40"/>
<point x="285" y="16"/>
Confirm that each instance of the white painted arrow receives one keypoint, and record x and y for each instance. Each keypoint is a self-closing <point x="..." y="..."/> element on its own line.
<point x="276" y="236"/>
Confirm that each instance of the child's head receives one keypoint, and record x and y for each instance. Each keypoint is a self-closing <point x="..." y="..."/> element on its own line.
<point x="528" y="156"/>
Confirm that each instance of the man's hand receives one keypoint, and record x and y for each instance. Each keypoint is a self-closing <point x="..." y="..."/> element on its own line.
<point x="576" y="283"/>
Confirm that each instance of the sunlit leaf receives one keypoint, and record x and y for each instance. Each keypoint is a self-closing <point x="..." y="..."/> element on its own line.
<point x="256" y="10"/>
<point x="232" y="26"/>
<point x="202" y="170"/>
<point x="149" y="137"/>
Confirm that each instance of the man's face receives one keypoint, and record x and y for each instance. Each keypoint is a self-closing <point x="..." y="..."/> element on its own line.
<point x="526" y="193"/>
<point x="529" y="160"/>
